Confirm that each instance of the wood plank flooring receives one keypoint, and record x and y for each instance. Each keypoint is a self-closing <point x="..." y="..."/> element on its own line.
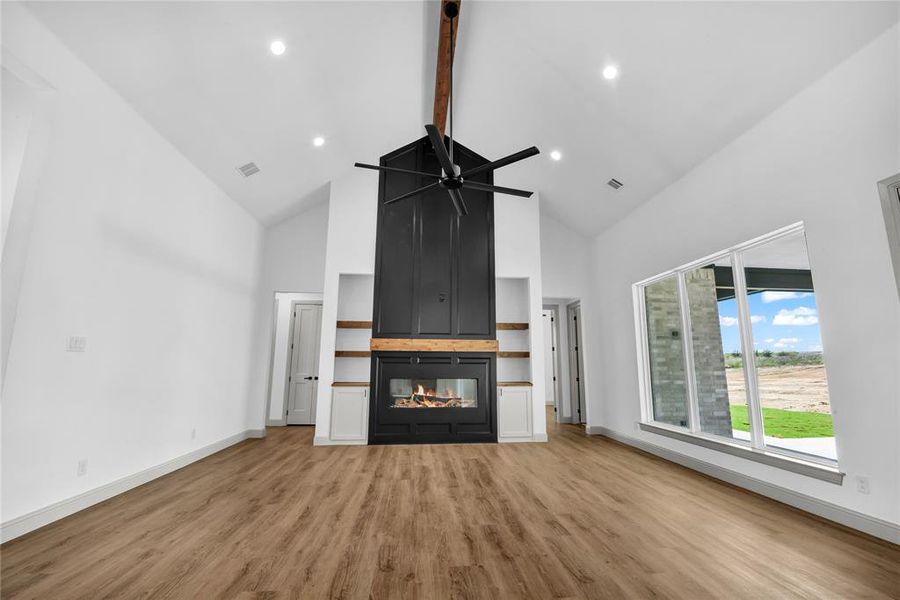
<point x="578" y="517"/>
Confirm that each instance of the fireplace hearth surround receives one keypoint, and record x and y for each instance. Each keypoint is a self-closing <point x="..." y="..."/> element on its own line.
<point x="434" y="361"/>
<point x="399" y="415"/>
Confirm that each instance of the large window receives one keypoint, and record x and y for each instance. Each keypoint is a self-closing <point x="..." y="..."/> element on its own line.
<point x="732" y="349"/>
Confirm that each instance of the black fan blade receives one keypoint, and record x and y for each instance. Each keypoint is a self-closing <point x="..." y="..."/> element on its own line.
<point x="484" y="187"/>
<point x="394" y="170"/>
<point x="508" y="160"/>
<point x="458" y="203"/>
<point x="437" y="140"/>
<point x="412" y="193"/>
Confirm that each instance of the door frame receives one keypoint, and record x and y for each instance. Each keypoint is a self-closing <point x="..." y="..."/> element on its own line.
<point x="557" y="363"/>
<point x="307" y="297"/>
<point x="577" y="401"/>
<point x="290" y="356"/>
<point x="889" y="190"/>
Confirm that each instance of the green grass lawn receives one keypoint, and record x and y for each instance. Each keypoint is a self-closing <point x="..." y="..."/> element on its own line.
<point x="785" y="423"/>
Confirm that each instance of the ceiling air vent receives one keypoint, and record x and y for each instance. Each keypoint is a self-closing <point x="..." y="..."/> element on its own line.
<point x="614" y="184"/>
<point x="248" y="169"/>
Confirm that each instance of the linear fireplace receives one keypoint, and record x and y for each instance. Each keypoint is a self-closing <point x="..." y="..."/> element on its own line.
<point x="431" y="397"/>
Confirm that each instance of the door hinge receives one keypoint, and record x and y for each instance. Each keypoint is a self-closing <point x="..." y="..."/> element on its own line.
<point x="554" y="379"/>
<point x="578" y="379"/>
<point x="552" y="348"/>
<point x="289" y="378"/>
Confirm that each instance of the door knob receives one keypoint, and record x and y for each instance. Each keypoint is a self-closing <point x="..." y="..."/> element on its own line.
<point x="308" y="378"/>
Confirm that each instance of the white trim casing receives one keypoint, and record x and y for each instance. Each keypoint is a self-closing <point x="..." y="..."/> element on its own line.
<point x="44" y="516"/>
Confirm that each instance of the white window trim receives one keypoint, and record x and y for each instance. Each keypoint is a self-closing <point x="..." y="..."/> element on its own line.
<point x="756" y="450"/>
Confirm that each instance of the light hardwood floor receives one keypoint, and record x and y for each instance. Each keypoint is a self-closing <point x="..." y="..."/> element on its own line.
<point x="579" y="517"/>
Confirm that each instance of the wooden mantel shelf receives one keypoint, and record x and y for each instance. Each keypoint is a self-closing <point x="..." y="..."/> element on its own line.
<point x="512" y="326"/>
<point x="431" y="345"/>
<point x="352" y="353"/>
<point x="514" y="354"/>
<point x="354" y="324"/>
<point x="350" y="384"/>
<point x="514" y="384"/>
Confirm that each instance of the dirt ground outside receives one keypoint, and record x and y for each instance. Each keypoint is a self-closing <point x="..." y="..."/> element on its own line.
<point x="801" y="388"/>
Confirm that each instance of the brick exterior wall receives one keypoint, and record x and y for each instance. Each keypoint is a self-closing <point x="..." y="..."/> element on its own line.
<point x="667" y="370"/>
<point x="709" y="361"/>
<point x="666" y="356"/>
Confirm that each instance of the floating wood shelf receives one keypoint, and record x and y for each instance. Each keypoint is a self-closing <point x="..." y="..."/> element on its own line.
<point x="431" y="345"/>
<point x="352" y="353"/>
<point x="350" y="384"/>
<point x="354" y="324"/>
<point x="514" y="384"/>
<point x="514" y="354"/>
<point x="512" y="326"/>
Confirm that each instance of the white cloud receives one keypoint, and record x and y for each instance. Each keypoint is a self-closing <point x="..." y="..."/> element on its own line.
<point x="801" y="316"/>
<point x="757" y="319"/>
<point x="768" y="297"/>
<point x="815" y="348"/>
<point x="727" y="321"/>
<point x="786" y="342"/>
<point x="769" y="340"/>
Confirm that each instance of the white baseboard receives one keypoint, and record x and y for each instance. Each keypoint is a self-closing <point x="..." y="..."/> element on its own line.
<point x="44" y="516"/>
<point x="539" y="437"/>
<point x="845" y="516"/>
<point x="324" y="441"/>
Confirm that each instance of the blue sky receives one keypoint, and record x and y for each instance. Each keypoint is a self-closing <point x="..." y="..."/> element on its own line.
<point x="782" y="321"/>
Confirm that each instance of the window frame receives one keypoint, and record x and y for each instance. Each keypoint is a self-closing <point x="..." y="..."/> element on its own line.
<point x="756" y="448"/>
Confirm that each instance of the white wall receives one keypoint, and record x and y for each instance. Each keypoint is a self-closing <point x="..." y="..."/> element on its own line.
<point x="517" y="225"/>
<point x="352" y="211"/>
<point x="134" y="248"/>
<point x="565" y="255"/>
<point x="565" y="258"/>
<point x="815" y="159"/>
<point x="293" y="261"/>
<point x="294" y="255"/>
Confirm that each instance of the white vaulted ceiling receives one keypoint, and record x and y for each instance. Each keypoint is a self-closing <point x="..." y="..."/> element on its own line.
<point x="694" y="76"/>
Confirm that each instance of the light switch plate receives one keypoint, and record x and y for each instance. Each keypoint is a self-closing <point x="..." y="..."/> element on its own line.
<point x="76" y="343"/>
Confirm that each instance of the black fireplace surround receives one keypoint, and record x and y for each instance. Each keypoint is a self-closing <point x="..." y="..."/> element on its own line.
<point x="434" y="280"/>
<point x="395" y="419"/>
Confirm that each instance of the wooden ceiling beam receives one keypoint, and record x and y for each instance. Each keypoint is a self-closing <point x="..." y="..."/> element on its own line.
<point x="442" y="72"/>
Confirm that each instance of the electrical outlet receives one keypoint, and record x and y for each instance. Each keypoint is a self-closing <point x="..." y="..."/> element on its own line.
<point x="82" y="467"/>
<point x="76" y="343"/>
<point x="862" y="484"/>
<point x="194" y="434"/>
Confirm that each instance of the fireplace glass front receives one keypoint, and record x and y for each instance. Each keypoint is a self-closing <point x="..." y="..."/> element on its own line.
<point x="433" y="393"/>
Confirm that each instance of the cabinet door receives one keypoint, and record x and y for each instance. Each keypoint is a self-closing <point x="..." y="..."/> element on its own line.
<point x="514" y="413"/>
<point x="349" y="413"/>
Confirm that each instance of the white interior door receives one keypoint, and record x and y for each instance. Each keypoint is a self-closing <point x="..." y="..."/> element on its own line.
<point x="303" y="378"/>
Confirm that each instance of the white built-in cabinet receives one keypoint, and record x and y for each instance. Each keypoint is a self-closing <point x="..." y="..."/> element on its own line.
<point x="349" y="414"/>
<point x="514" y="413"/>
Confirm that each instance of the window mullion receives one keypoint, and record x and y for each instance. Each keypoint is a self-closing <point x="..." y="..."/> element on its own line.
<point x="757" y="433"/>
<point x="687" y="340"/>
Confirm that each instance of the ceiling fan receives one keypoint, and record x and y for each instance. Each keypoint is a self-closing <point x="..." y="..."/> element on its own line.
<point x="452" y="179"/>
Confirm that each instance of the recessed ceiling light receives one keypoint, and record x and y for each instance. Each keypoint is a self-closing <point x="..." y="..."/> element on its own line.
<point x="318" y="141"/>
<point x="610" y="72"/>
<point x="556" y="155"/>
<point x="277" y="47"/>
